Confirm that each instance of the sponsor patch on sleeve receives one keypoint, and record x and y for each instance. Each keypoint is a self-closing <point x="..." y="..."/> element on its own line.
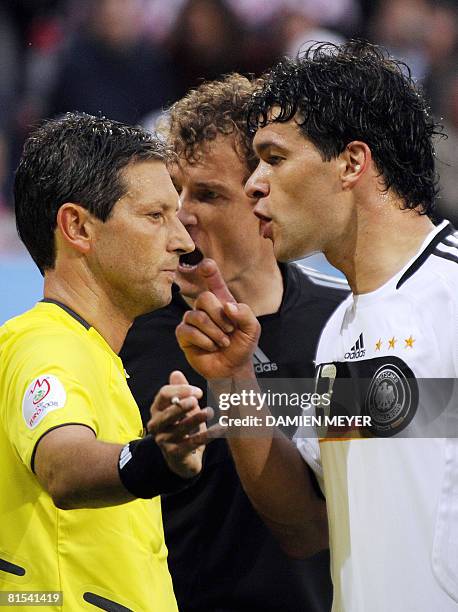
<point x="44" y="394"/>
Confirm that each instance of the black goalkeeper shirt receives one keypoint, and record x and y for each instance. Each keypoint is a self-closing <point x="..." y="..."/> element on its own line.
<point x="221" y="555"/>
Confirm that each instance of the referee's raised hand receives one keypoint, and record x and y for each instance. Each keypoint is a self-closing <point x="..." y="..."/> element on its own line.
<point x="175" y="416"/>
<point x="219" y="336"/>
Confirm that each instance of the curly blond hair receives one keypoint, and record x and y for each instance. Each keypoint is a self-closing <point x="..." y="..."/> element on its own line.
<point x="212" y="109"/>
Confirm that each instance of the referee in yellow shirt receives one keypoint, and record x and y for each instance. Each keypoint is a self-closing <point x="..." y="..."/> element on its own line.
<point x="79" y="510"/>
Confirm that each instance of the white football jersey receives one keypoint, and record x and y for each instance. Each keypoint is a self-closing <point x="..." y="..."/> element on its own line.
<point x="393" y="500"/>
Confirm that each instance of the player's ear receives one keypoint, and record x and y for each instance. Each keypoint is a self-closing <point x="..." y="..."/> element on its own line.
<point x="75" y="226"/>
<point x="354" y="161"/>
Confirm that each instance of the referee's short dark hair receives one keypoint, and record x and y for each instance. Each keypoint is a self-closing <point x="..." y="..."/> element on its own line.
<point x="74" y="158"/>
<point x="355" y="91"/>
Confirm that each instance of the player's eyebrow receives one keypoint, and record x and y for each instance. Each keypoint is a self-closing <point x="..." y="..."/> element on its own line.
<point x="211" y="185"/>
<point x="261" y="146"/>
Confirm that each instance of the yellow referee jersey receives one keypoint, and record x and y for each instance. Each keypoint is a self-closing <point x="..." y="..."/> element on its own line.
<point x="54" y="370"/>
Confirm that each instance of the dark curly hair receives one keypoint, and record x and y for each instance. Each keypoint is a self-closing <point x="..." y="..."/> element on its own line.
<point x="75" y="158"/>
<point x="214" y="108"/>
<point x="355" y="91"/>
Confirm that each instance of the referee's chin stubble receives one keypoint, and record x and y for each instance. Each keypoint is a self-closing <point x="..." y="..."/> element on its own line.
<point x="146" y="298"/>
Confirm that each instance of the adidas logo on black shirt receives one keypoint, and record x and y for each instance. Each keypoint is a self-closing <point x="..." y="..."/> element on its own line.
<point x="262" y="363"/>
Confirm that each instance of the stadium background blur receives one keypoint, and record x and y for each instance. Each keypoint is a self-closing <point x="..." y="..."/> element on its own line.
<point x="128" y="59"/>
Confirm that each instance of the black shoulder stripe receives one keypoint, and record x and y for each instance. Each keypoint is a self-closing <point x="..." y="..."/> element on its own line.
<point x="450" y="244"/>
<point x="445" y="255"/>
<point x="429" y="250"/>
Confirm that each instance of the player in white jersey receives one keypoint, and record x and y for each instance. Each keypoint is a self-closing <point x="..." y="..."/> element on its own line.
<point x="392" y="503"/>
<point x="346" y="167"/>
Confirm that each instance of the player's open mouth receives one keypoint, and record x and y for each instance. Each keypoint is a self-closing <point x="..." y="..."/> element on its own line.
<point x="189" y="261"/>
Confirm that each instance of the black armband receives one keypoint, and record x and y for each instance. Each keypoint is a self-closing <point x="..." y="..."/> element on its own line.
<point x="144" y="471"/>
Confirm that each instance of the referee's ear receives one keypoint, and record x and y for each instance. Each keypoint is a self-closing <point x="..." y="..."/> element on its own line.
<point x="73" y="228"/>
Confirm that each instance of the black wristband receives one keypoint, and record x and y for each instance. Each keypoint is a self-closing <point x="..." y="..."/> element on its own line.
<point x="144" y="471"/>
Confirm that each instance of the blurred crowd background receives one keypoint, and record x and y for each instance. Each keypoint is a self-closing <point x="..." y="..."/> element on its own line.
<point x="128" y="59"/>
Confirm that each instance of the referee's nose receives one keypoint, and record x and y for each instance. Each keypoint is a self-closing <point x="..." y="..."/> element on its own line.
<point x="179" y="240"/>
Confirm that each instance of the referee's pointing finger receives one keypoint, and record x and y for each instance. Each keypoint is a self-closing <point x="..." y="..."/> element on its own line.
<point x="209" y="271"/>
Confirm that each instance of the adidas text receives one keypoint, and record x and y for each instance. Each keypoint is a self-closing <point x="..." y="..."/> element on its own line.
<point x="265" y="367"/>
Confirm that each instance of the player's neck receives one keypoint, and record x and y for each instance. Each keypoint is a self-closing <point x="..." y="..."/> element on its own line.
<point x="91" y="304"/>
<point x="260" y="287"/>
<point x="379" y="246"/>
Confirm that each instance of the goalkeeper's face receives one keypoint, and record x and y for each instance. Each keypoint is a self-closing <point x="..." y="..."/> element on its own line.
<point x="299" y="195"/>
<point x="136" y="251"/>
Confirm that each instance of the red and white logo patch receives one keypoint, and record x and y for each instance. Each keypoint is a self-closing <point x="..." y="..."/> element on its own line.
<point x="44" y="394"/>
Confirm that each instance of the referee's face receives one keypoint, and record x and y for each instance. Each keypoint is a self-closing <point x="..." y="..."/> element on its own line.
<point x="297" y="193"/>
<point x="218" y="215"/>
<point x="136" y="251"/>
